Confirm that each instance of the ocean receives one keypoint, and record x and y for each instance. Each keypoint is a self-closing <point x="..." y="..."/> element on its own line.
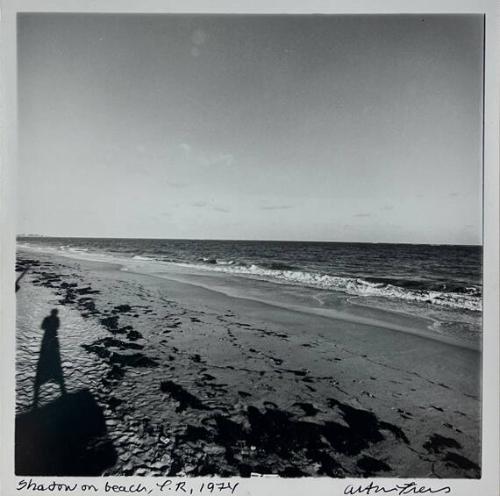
<point x="440" y="283"/>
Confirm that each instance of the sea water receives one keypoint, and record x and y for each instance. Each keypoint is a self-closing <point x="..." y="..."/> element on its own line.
<point x="439" y="283"/>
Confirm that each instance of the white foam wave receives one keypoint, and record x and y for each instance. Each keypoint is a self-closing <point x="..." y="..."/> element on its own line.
<point x="146" y="259"/>
<point x="352" y="286"/>
<point x="78" y="250"/>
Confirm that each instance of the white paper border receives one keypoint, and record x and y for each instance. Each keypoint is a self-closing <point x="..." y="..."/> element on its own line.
<point x="488" y="485"/>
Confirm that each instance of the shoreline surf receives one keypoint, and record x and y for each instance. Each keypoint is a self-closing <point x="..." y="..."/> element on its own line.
<point x="237" y="286"/>
<point x="456" y="293"/>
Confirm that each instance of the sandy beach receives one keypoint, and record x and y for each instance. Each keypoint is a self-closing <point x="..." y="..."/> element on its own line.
<point x="191" y="381"/>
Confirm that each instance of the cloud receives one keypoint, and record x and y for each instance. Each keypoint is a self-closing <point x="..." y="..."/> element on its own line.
<point x="199" y="37"/>
<point x="276" y="207"/>
<point x="222" y="159"/>
<point x="222" y="209"/>
<point x="177" y="184"/>
<point x="186" y="147"/>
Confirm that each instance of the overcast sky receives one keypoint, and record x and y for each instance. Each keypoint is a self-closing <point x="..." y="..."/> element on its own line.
<point x="335" y="128"/>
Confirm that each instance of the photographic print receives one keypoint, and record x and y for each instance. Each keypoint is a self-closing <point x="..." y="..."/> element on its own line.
<point x="249" y="244"/>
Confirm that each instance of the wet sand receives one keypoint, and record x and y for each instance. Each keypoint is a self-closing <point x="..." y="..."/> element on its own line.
<point x="195" y="382"/>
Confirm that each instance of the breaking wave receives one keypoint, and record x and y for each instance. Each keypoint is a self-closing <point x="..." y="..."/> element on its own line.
<point x="450" y="286"/>
<point x="436" y="293"/>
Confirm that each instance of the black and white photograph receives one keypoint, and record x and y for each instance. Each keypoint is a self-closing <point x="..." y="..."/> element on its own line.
<point x="249" y="244"/>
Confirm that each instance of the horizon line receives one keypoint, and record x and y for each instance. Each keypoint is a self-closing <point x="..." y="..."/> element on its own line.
<point x="247" y="240"/>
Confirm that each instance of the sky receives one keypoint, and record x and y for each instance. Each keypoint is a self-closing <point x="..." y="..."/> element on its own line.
<point x="327" y="128"/>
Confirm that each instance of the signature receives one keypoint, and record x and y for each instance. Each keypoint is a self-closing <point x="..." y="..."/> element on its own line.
<point x="399" y="489"/>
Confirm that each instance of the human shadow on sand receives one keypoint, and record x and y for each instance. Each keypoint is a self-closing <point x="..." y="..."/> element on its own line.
<point x="49" y="367"/>
<point x="67" y="436"/>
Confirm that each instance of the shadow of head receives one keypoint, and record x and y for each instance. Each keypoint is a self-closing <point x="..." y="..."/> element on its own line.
<point x="65" y="437"/>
